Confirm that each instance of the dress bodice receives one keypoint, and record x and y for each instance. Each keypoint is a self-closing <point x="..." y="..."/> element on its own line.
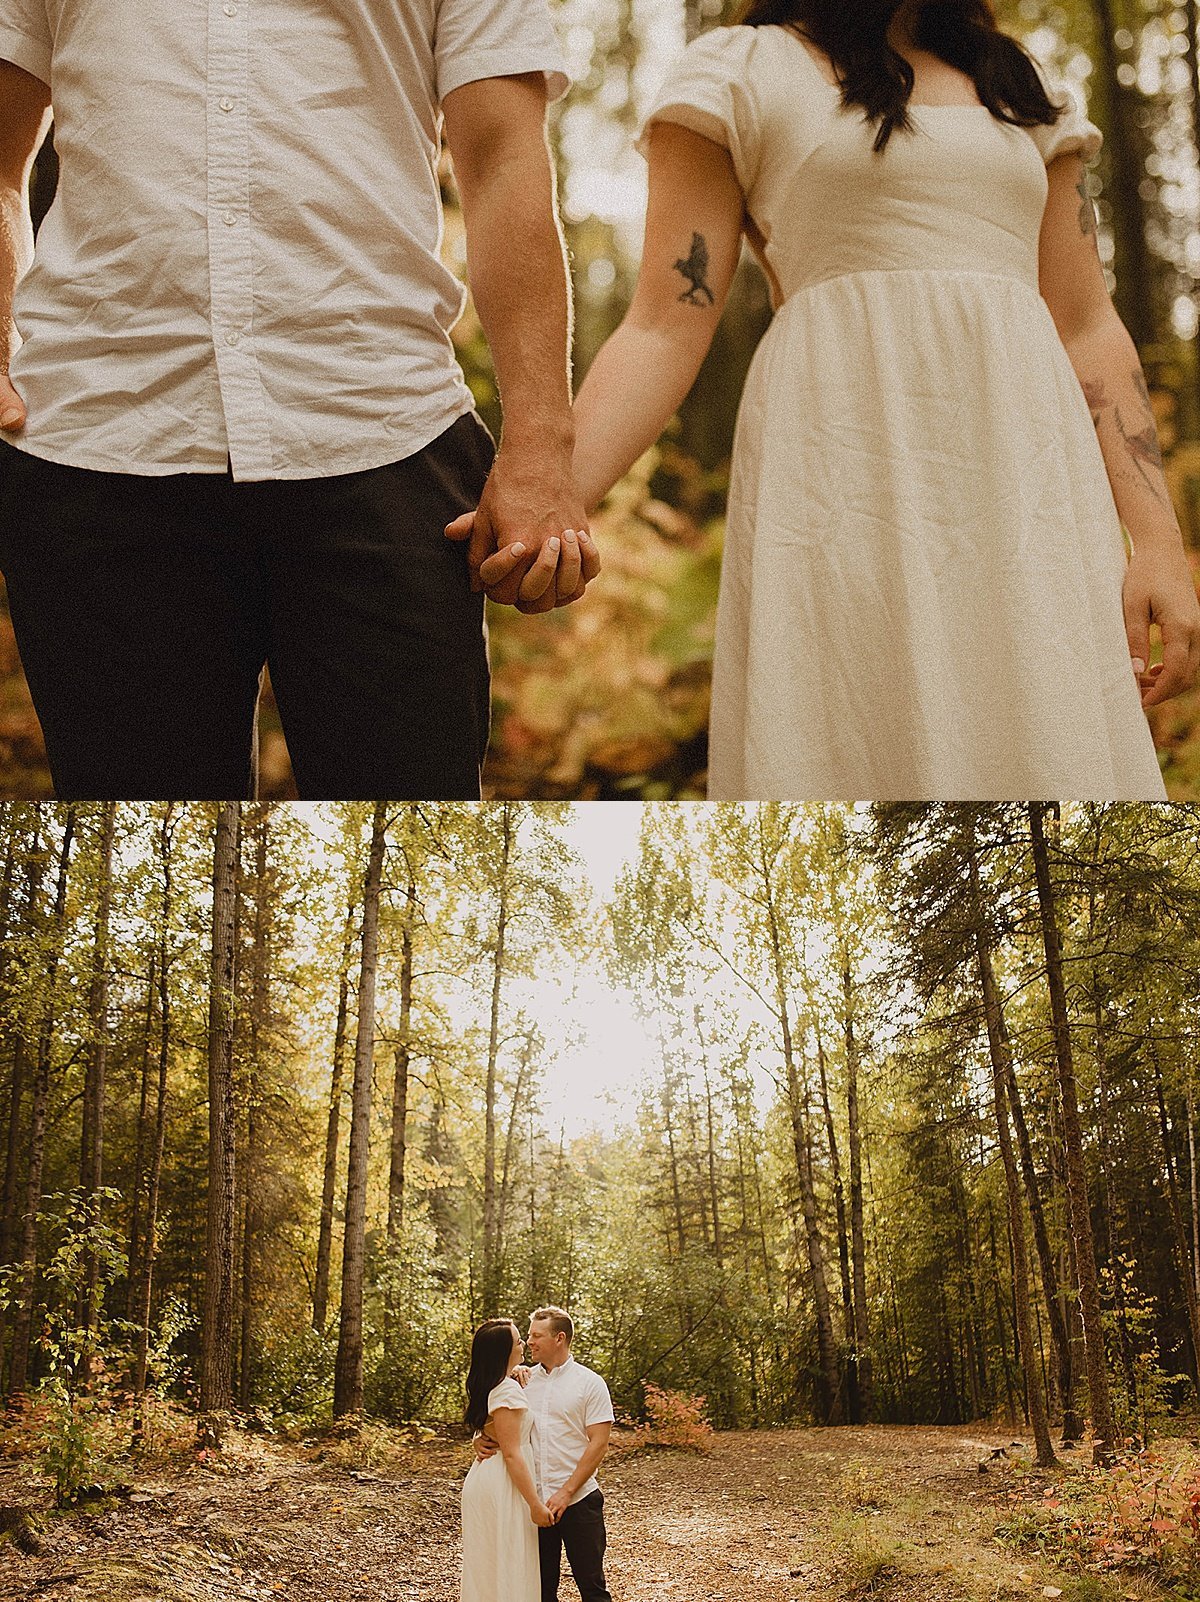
<point x="960" y="192"/>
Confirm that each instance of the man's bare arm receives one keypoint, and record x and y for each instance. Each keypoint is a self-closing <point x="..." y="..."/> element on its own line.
<point x="23" y="124"/>
<point x="595" y="1449"/>
<point x="516" y="261"/>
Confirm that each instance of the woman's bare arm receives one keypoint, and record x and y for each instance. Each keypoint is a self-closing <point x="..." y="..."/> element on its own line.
<point x="1158" y="584"/>
<point x="505" y="1426"/>
<point x="642" y="373"/>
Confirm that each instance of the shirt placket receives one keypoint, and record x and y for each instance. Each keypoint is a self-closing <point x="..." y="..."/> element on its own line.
<point x="230" y="246"/>
<point x="543" y="1436"/>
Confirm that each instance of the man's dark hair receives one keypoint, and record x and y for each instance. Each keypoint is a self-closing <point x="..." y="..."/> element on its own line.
<point x="491" y="1350"/>
<point x="963" y="33"/>
<point x="559" y="1320"/>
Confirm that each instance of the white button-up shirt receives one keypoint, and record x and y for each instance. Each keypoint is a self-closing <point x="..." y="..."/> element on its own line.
<point x="565" y="1401"/>
<point x="242" y="261"/>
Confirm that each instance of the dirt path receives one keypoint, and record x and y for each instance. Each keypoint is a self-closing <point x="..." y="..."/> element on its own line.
<point x="784" y="1516"/>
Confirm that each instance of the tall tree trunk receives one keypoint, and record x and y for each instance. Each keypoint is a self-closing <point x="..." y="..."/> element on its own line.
<point x="839" y="1205"/>
<point x="401" y="1066"/>
<point x="998" y="1048"/>
<point x="333" y="1125"/>
<point x="260" y="1009"/>
<point x="491" y="1245"/>
<point x="1126" y="146"/>
<point x="27" y="1278"/>
<point x="828" y="1386"/>
<point x="858" y="1247"/>
<point x="138" y="1184"/>
<point x="149" y="1254"/>
<point x="1182" y="1253"/>
<point x="216" y="1364"/>
<point x="348" y="1370"/>
<point x="1078" y="1203"/>
<point x="35" y="869"/>
<point x="1072" y="1425"/>
<point x="91" y="1155"/>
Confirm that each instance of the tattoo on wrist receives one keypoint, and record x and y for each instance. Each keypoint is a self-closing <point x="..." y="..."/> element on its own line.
<point x="695" y="270"/>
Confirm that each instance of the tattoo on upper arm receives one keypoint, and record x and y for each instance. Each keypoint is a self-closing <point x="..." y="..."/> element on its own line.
<point x="1087" y="211"/>
<point x="695" y="269"/>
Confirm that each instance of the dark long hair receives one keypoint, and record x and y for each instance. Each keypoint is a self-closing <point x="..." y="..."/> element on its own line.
<point x="490" y="1353"/>
<point x="854" y="36"/>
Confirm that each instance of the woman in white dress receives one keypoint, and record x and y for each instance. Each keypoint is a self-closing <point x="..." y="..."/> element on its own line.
<point x="926" y="592"/>
<point x="501" y="1508"/>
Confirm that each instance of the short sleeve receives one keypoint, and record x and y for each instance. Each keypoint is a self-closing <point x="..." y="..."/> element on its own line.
<point x="496" y="39"/>
<point x="598" y="1408"/>
<point x="25" y="36"/>
<point x="1072" y="133"/>
<point x="709" y="91"/>
<point x="508" y="1393"/>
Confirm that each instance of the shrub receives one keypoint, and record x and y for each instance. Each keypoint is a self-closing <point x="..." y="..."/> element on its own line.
<point x="675" y="1419"/>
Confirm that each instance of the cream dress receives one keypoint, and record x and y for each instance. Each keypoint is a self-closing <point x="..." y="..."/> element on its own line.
<point x="921" y="588"/>
<point x="499" y="1538"/>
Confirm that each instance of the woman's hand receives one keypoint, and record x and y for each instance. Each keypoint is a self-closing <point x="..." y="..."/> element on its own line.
<point x="560" y="574"/>
<point x="1159" y="589"/>
<point x="541" y="1516"/>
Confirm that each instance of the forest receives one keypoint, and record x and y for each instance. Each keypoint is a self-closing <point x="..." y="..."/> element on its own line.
<point x="812" y="1115"/>
<point x="610" y="700"/>
<point x="915" y="1139"/>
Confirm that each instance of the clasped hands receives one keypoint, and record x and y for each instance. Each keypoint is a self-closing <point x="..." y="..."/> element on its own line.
<point x="528" y="542"/>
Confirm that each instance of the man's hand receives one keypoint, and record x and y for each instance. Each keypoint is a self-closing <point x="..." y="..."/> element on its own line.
<point x="526" y="530"/>
<point x="12" y="407"/>
<point x="485" y="1447"/>
<point x="558" y="1504"/>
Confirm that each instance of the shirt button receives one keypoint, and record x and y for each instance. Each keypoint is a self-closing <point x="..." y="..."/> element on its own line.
<point x="231" y="11"/>
<point x="232" y="338"/>
<point x="230" y="218"/>
<point x="226" y="104"/>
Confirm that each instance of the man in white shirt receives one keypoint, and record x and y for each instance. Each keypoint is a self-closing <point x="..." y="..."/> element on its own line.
<point x="572" y="1421"/>
<point x="232" y="427"/>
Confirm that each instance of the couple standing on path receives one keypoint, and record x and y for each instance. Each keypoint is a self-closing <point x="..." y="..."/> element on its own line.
<point x="541" y="1433"/>
<point x="236" y="430"/>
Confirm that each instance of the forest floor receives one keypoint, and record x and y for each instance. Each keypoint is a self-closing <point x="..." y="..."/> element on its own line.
<point x="895" y="1513"/>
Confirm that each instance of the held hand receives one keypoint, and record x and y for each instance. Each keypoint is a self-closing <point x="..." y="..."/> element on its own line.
<point x="485" y="1447"/>
<point x="530" y="499"/>
<point x="1159" y="589"/>
<point x="558" y="1504"/>
<point x="542" y="1516"/>
<point x="12" y="407"/>
<point x="569" y="561"/>
<point x="520" y="1374"/>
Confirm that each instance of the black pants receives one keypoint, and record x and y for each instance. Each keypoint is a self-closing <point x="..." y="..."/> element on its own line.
<point x="581" y="1531"/>
<point x="145" y="609"/>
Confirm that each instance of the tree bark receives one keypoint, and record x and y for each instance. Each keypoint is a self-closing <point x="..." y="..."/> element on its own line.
<point x="1078" y="1202"/>
<point x="491" y="1245"/>
<point x="858" y="1247"/>
<point x="91" y="1155"/>
<point x="154" y="1180"/>
<point x="27" y="1278"/>
<point x="348" y="1370"/>
<point x="333" y="1127"/>
<point x="998" y="1049"/>
<point x="828" y="1386"/>
<point x="216" y="1367"/>
<point x="260" y="1007"/>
